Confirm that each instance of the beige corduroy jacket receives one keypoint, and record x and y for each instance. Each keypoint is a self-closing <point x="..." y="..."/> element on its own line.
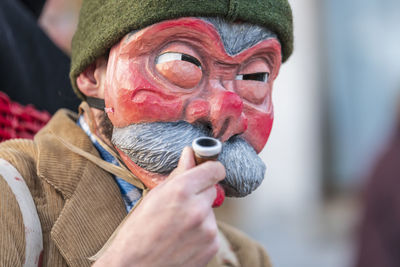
<point x="79" y="203"/>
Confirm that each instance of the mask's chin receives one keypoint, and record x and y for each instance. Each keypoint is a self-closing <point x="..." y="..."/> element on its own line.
<point x="149" y="179"/>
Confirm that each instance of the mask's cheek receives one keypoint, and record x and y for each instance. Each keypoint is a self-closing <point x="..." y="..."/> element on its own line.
<point x="131" y="98"/>
<point x="259" y="127"/>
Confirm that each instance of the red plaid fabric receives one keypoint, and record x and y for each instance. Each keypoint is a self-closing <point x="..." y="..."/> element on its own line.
<point x="17" y="121"/>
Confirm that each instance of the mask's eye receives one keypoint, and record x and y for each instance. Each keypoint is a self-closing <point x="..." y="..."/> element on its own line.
<point x="171" y="56"/>
<point x="259" y="76"/>
<point x="180" y="69"/>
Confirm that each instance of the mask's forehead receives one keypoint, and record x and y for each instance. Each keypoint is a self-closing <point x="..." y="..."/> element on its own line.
<point x="194" y="29"/>
<point x="221" y="39"/>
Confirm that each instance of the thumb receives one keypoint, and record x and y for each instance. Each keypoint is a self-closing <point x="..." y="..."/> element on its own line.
<point x="185" y="163"/>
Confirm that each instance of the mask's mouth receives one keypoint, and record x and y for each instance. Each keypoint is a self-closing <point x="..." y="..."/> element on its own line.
<point x="149" y="179"/>
<point x="153" y="179"/>
<point x="156" y="147"/>
<point x="154" y="150"/>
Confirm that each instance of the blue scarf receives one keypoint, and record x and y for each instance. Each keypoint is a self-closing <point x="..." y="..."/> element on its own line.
<point x="130" y="193"/>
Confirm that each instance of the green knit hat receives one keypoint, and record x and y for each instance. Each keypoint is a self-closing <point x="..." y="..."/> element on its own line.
<point x="103" y="23"/>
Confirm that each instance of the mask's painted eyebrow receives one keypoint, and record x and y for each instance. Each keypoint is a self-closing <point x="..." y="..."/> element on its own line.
<point x="259" y="76"/>
<point x="171" y="56"/>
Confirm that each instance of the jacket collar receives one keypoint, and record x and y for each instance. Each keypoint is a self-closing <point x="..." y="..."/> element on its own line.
<point x="93" y="204"/>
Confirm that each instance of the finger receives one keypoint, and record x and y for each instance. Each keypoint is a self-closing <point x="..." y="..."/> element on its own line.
<point x="202" y="176"/>
<point x="186" y="162"/>
<point x="207" y="196"/>
<point x="213" y="172"/>
<point x="206" y="237"/>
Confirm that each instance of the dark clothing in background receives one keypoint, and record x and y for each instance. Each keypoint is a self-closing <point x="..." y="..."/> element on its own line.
<point x="33" y="70"/>
<point x="379" y="242"/>
<point x="35" y="6"/>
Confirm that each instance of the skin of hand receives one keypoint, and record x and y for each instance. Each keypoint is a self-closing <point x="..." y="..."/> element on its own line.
<point x="175" y="224"/>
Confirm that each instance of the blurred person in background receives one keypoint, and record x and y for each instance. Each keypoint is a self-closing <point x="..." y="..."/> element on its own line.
<point x="379" y="233"/>
<point x="33" y="71"/>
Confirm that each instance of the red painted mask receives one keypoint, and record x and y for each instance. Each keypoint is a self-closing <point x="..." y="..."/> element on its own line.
<point x="179" y="70"/>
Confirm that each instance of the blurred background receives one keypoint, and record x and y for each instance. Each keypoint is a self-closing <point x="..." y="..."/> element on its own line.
<point x="59" y="20"/>
<point x="336" y="111"/>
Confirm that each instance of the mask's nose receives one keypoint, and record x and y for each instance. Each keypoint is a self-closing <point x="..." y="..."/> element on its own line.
<point x="221" y="109"/>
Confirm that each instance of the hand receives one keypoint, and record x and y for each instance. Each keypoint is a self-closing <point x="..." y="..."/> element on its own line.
<point x="175" y="224"/>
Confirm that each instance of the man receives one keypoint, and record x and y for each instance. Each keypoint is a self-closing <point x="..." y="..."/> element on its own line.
<point x="153" y="75"/>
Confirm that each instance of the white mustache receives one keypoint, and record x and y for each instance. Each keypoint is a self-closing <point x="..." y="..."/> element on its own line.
<point x="157" y="147"/>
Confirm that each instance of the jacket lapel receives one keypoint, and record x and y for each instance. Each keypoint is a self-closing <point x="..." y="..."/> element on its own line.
<point x="94" y="207"/>
<point x="89" y="217"/>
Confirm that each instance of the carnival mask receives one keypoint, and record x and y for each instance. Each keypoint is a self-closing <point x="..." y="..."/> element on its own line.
<point x="177" y="80"/>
